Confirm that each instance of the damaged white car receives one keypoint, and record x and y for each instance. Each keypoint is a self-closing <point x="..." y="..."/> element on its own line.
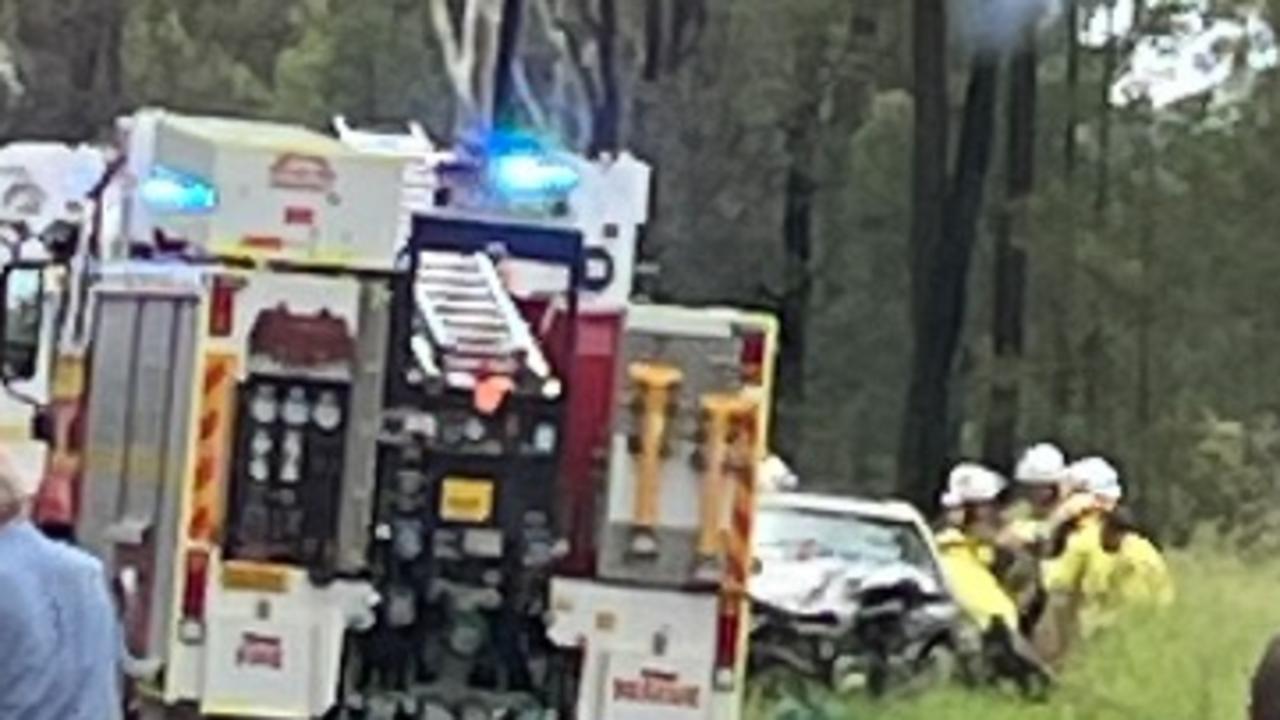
<point x="850" y="593"/>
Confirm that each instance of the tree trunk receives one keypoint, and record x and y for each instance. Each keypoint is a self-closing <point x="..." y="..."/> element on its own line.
<point x="607" y="132"/>
<point x="922" y="446"/>
<point x="655" y="28"/>
<point x="1069" y="145"/>
<point x="945" y="227"/>
<point x="1144" y="415"/>
<point x="505" y="112"/>
<point x="1063" y="303"/>
<point x="1011" y="261"/>
<point x="1092" y="381"/>
<point x="797" y="243"/>
<point x="1102" y="196"/>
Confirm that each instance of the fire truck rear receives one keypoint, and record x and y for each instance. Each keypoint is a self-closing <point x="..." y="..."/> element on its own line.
<point x="362" y="437"/>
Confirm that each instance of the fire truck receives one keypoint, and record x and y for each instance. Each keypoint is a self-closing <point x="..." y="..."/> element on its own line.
<point x="364" y="428"/>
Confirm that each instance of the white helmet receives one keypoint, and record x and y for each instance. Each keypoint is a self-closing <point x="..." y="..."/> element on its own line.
<point x="1041" y="464"/>
<point x="1098" y="478"/>
<point x="971" y="483"/>
<point x="950" y="499"/>
<point x="776" y="476"/>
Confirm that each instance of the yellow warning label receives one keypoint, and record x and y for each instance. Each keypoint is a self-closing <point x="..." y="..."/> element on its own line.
<point x="468" y="500"/>
<point x="259" y="577"/>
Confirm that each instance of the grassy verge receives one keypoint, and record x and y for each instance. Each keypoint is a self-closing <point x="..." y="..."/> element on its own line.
<point x="1192" y="663"/>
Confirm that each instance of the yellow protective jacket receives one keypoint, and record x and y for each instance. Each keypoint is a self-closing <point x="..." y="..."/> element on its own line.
<point x="1085" y="571"/>
<point x="1141" y="578"/>
<point x="967" y="565"/>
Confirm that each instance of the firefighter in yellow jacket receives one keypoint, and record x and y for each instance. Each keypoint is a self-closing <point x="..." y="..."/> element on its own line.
<point x="967" y="546"/>
<point x="1076" y="574"/>
<point x="1140" y="579"/>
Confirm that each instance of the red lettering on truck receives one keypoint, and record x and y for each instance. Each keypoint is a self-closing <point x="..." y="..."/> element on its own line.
<point x="292" y="171"/>
<point x="260" y="650"/>
<point x="655" y="688"/>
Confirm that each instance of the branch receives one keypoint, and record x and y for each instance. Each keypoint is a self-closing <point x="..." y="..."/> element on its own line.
<point x="458" y="60"/>
<point x="568" y="53"/>
<point x="588" y="16"/>
<point x="689" y="15"/>
<point x="524" y="90"/>
<point x="487" y="20"/>
<point x="576" y="56"/>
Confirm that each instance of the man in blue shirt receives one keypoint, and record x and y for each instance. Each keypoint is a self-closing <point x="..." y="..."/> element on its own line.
<point x="60" y="642"/>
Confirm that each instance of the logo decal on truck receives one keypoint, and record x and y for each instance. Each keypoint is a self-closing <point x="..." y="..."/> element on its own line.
<point x="260" y="651"/>
<point x="656" y="688"/>
<point x="292" y="171"/>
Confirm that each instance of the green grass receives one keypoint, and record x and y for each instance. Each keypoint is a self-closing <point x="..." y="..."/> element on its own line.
<point x="1192" y="663"/>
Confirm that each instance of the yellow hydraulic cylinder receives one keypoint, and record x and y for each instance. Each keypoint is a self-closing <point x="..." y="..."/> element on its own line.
<point x="718" y="412"/>
<point x="656" y="385"/>
<point x="742" y="463"/>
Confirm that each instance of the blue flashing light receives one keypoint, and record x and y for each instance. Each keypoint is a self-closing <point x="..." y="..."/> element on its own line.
<point x="521" y="165"/>
<point x="169" y="192"/>
<point x="526" y="174"/>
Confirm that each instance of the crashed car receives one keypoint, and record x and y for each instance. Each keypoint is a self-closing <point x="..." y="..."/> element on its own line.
<point x="849" y="593"/>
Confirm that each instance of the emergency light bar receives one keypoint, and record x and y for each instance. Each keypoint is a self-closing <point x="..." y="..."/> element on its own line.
<point x="520" y="165"/>
<point x="531" y="175"/>
<point x="168" y="191"/>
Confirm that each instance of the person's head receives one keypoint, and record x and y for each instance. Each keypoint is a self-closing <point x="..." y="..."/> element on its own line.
<point x="1039" y="474"/>
<point x="13" y="491"/>
<point x="974" y="491"/>
<point x="1100" y="479"/>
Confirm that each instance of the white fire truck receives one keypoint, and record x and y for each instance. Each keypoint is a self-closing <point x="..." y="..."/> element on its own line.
<point x="366" y="429"/>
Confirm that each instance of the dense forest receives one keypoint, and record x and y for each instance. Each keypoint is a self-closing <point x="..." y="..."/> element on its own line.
<point x="970" y="242"/>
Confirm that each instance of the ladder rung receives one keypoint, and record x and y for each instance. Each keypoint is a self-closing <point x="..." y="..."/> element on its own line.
<point x="453" y="295"/>
<point x="474" y="324"/>
<point x="471" y="330"/>
<point x="466" y="272"/>
<point x="467" y="307"/>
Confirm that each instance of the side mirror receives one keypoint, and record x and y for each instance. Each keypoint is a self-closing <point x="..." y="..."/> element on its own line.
<point x="21" y="319"/>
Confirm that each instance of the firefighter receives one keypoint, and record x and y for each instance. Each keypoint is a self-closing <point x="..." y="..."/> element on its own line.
<point x="58" y="628"/>
<point x="1140" y="579"/>
<point x="1077" y="575"/>
<point x="1041" y="477"/>
<point x="967" y="547"/>
<point x="968" y="554"/>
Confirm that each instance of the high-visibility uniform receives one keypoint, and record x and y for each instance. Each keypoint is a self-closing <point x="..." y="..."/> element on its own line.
<point x="1021" y="524"/>
<point x="1141" y="578"/>
<point x="1084" y="570"/>
<point x="966" y="562"/>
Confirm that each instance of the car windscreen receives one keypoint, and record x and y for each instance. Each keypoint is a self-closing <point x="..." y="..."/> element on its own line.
<point x="787" y="533"/>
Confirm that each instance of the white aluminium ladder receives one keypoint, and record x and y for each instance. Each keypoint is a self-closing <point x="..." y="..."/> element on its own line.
<point x="473" y="327"/>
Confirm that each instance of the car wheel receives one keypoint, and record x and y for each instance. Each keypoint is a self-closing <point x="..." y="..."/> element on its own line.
<point x="878" y="676"/>
<point x="938" y="665"/>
